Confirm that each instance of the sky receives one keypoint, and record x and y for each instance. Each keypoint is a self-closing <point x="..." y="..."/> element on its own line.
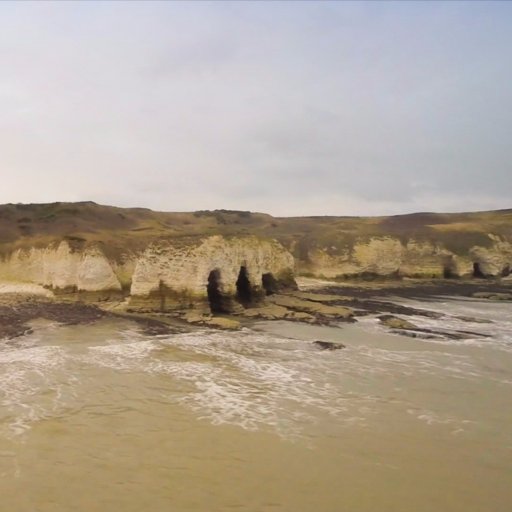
<point x="289" y="108"/>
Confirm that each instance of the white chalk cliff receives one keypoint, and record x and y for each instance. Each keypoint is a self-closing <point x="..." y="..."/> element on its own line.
<point x="185" y="268"/>
<point x="386" y="256"/>
<point x="60" y="267"/>
<point x="181" y="267"/>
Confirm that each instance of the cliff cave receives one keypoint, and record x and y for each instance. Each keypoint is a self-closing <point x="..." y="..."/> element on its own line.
<point x="477" y="271"/>
<point x="269" y="283"/>
<point x="213" y="289"/>
<point x="243" y="287"/>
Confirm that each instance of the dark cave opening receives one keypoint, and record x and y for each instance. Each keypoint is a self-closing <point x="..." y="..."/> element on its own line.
<point x="215" y="297"/>
<point x="269" y="283"/>
<point x="243" y="287"/>
<point x="448" y="272"/>
<point x="477" y="271"/>
<point x="506" y="271"/>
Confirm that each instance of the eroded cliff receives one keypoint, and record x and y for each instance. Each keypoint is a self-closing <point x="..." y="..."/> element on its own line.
<point x="214" y="270"/>
<point x="169" y="273"/>
<point x="229" y="258"/>
<point x="59" y="267"/>
<point x="393" y="257"/>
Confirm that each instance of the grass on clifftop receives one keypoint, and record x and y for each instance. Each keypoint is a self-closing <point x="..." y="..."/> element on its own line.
<point x="121" y="230"/>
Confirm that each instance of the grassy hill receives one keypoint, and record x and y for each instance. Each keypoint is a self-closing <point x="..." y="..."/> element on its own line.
<point x="122" y="229"/>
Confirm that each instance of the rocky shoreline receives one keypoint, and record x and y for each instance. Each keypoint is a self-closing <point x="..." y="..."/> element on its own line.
<point x="325" y="305"/>
<point x="17" y="312"/>
<point x="380" y="299"/>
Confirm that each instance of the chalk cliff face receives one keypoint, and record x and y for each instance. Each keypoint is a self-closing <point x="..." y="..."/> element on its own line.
<point x="187" y="270"/>
<point x="181" y="270"/>
<point x="60" y="267"/>
<point x="389" y="256"/>
<point x="175" y="257"/>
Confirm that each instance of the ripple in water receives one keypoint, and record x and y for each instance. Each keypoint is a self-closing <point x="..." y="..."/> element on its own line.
<point x="254" y="380"/>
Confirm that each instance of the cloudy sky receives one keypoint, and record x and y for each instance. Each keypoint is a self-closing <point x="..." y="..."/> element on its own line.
<point x="291" y="108"/>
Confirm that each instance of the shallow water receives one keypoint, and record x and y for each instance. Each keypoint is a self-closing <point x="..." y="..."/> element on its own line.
<point x="101" y="417"/>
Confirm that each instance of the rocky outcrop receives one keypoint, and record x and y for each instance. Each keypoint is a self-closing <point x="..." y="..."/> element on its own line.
<point x="492" y="296"/>
<point x="59" y="267"/>
<point x="275" y="312"/>
<point x="395" y="257"/>
<point x="313" y="307"/>
<point x="208" y="320"/>
<point x="396" y="323"/>
<point x="218" y="271"/>
<point x="214" y="269"/>
<point x="328" y="345"/>
<point x="230" y="258"/>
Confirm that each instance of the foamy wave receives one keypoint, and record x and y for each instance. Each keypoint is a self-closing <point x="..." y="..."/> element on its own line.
<point x="431" y="418"/>
<point x="237" y="381"/>
<point x="29" y="388"/>
<point x="254" y="380"/>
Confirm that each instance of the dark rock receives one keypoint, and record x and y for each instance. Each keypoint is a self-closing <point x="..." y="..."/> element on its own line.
<point x="428" y="334"/>
<point x="396" y="323"/>
<point x="328" y="345"/>
<point x="472" y="319"/>
<point x="415" y="334"/>
<point x="492" y="296"/>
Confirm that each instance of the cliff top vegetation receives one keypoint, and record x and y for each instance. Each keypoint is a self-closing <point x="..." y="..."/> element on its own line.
<point x="124" y="229"/>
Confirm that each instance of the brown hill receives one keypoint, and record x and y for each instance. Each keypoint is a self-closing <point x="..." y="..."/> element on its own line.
<point x="122" y="229"/>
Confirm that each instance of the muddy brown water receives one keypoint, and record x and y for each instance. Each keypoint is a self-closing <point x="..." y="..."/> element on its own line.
<point x="103" y="417"/>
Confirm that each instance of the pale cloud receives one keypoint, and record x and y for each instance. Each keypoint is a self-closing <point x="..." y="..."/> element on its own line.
<point x="291" y="108"/>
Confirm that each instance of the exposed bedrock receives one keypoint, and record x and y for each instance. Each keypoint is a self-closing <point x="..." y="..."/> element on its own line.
<point x="225" y="261"/>
<point x="225" y="273"/>
<point x="59" y="267"/>
<point x="393" y="257"/>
